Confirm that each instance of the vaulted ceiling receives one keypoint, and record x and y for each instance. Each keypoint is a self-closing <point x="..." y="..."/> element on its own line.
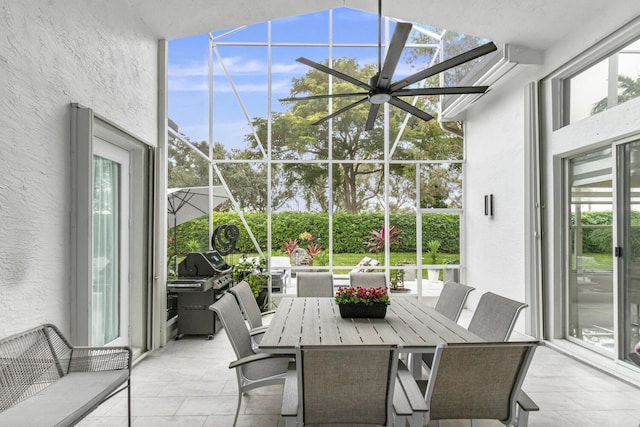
<point x="537" y="24"/>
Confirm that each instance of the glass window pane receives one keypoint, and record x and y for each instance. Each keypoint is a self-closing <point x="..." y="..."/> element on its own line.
<point x="631" y="248"/>
<point x="105" y="305"/>
<point x="612" y="81"/>
<point x="591" y="273"/>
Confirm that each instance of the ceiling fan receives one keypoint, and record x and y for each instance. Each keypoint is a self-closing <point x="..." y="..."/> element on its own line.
<point x="381" y="89"/>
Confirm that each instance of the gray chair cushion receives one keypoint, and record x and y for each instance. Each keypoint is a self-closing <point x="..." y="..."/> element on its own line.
<point x="248" y="303"/>
<point x="315" y="284"/>
<point x="368" y="279"/>
<point x="65" y="401"/>
<point x="495" y="317"/>
<point x="452" y="299"/>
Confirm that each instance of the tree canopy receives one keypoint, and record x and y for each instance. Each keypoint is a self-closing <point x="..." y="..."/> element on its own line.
<point x="300" y="154"/>
<point x="357" y="185"/>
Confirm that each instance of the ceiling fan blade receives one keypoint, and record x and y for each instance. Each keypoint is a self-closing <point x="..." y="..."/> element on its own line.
<point x="333" y="95"/>
<point x="410" y="109"/>
<point x="373" y="113"/>
<point x="445" y="65"/>
<point x="454" y="90"/>
<point x="340" y="111"/>
<point x="334" y="73"/>
<point x="398" y="40"/>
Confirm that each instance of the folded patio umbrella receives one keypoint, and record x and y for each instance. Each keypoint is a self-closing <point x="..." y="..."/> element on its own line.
<point x="187" y="203"/>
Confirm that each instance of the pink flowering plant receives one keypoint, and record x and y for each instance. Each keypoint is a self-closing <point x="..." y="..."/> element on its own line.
<point x="360" y="295"/>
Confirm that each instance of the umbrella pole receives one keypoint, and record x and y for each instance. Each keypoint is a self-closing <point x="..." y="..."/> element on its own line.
<point x="175" y="244"/>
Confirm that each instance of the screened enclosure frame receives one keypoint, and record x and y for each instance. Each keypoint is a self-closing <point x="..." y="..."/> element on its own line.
<point x="265" y="147"/>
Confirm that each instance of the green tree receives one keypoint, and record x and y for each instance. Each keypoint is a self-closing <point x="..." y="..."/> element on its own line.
<point x="357" y="186"/>
<point x="186" y="168"/>
<point x="628" y="88"/>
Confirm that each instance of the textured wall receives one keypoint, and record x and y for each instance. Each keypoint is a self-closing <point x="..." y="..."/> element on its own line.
<point x="51" y="54"/>
<point x="495" y="246"/>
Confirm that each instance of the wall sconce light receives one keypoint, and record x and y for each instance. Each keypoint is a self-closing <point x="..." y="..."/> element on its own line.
<point x="488" y="204"/>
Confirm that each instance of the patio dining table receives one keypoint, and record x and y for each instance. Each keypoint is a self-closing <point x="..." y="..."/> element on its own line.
<point x="411" y="324"/>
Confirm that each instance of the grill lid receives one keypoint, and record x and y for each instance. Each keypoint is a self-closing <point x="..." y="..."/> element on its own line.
<point x="203" y="264"/>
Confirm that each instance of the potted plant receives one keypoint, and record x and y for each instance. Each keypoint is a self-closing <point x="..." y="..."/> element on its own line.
<point x="397" y="278"/>
<point x="433" y="273"/>
<point x="361" y="302"/>
<point x="253" y="271"/>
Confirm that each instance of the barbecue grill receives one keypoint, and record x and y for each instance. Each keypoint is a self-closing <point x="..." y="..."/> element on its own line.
<point x="203" y="277"/>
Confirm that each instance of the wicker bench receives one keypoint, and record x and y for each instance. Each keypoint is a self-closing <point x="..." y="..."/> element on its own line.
<point x="45" y="381"/>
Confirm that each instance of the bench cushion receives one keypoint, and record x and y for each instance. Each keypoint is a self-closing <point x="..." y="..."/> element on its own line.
<point x="65" y="401"/>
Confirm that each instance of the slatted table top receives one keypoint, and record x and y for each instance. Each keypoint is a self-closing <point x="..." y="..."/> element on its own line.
<point x="410" y="324"/>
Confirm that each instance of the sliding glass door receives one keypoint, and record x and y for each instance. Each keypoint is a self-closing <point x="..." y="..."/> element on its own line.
<point x="603" y="289"/>
<point x="110" y="243"/>
<point x="590" y="287"/>
<point x="629" y="248"/>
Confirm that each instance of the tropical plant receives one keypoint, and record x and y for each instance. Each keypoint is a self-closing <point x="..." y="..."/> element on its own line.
<point x="321" y="258"/>
<point x="289" y="246"/>
<point x="434" y="246"/>
<point x="313" y="250"/>
<point x="376" y="241"/>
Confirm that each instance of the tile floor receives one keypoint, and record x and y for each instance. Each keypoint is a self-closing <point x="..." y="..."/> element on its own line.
<point x="188" y="383"/>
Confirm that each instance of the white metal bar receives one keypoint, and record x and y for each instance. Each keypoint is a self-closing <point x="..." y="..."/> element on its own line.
<point x="242" y="106"/>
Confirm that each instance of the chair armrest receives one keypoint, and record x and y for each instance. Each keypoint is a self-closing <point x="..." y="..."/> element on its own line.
<point x="411" y="390"/>
<point x="92" y="359"/>
<point x="257" y="331"/>
<point x="526" y="403"/>
<point x="255" y="358"/>
<point x="290" y="392"/>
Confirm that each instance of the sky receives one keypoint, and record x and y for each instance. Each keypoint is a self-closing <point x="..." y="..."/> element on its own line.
<point x="247" y="68"/>
<point x="247" y="65"/>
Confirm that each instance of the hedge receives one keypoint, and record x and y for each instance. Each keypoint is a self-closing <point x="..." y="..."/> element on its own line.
<point x="350" y="231"/>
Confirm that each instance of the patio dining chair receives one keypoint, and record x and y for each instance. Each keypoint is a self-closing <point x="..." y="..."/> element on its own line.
<point x="315" y="284"/>
<point x="452" y="299"/>
<point x="450" y="304"/>
<point x="368" y="279"/>
<point x="249" y="306"/>
<point x="488" y="388"/>
<point x="494" y="317"/>
<point x="330" y="385"/>
<point x="253" y="369"/>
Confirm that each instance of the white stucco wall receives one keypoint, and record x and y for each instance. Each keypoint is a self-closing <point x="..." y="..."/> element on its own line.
<point x="494" y="246"/>
<point x="495" y="138"/>
<point x="51" y="54"/>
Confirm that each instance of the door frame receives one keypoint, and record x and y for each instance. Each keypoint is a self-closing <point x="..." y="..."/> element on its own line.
<point x="85" y="127"/>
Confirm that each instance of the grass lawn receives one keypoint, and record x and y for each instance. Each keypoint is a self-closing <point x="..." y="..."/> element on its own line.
<point x="352" y="259"/>
<point x="593" y="261"/>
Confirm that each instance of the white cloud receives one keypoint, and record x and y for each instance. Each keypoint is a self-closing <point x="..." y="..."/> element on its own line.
<point x="235" y="65"/>
<point x="187" y="85"/>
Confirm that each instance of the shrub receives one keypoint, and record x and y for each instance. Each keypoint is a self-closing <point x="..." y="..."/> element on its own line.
<point x="350" y="231"/>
